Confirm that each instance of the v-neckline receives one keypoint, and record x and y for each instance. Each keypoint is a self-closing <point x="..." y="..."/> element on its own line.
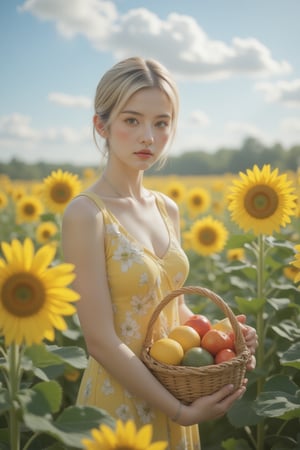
<point x="146" y="249"/>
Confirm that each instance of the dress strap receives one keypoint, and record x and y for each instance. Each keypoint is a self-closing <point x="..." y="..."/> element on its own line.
<point x="95" y="198"/>
<point x="162" y="207"/>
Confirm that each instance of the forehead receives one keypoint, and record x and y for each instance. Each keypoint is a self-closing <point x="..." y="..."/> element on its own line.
<point x="149" y="100"/>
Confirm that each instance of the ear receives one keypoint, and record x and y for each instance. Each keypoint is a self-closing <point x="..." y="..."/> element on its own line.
<point x="100" y="126"/>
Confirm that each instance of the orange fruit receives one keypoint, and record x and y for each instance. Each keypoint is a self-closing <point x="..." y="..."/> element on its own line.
<point x="186" y="336"/>
<point x="215" y="340"/>
<point x="197" y="357"/>
<point x="224" y="355"/>
<point x="167" y="351"/>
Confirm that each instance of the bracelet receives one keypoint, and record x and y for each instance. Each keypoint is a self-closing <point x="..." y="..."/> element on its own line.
<point x="176" y="417"/>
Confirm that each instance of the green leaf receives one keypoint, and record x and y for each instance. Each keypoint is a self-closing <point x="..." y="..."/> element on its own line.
<point x="250" y="306"/>
<point x="4" y="401"/>
<point x="278" y="404"/>
<point x="74" y="356"/>
<point x="281" y="383"/>
<point x="235" y="444"/>
<point x="287" y="329"/>
<point x="292" y="356"/>
<point x="52" y="392"/>
<point x="242" y="414"/>
<point x="72" y="425"/>
<point x="279" y="303"/>
<point x="42" y="356"/>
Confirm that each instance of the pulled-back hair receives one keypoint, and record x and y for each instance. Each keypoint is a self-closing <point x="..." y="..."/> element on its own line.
<point x="127" y="77"/>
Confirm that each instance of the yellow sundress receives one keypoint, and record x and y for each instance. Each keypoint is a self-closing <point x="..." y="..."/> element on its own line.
<point x="138" y="281"/>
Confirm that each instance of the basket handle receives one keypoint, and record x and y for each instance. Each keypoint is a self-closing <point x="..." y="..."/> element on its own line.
<point x="204" y="292"/>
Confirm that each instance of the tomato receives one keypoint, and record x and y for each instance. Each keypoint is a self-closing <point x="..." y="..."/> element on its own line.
<point x="200" y="323"/>
<point x="216" y="340"/>
<point x="224" y="355"/>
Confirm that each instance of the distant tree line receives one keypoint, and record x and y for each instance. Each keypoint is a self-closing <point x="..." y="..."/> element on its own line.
<point x="198" y="162"/>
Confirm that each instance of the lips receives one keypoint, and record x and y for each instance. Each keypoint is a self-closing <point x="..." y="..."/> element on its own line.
<point x="144" y="153"/>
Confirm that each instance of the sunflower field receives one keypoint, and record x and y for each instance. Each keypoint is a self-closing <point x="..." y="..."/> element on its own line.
<point x="241" y="233"/>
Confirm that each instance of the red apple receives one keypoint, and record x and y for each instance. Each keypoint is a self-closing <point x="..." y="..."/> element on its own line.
<point x="200" y="323"/>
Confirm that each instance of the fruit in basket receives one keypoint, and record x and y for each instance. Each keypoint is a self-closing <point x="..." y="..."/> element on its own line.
<point x="224" y="355"/>
<point x="223" y="325"/>
<point x="215" y="340"/>
<point x="200" y="323"/>
<point x="186" y="336"/>
<point x="167" y="351"/>
<point x="197" y="357"/>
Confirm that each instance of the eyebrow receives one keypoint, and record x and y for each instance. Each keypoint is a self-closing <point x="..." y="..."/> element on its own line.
<point x="129" y="111"/>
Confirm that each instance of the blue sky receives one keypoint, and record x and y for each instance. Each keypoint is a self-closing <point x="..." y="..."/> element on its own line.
<point x="237" y="65"/>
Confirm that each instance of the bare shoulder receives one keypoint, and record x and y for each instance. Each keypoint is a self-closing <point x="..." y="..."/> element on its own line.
<point x="81" y="210"/>
<point x="172" y="207"/>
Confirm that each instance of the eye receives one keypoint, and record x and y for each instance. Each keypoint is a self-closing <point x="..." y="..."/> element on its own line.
<point x="131" y="121"/>
<point x="162" y="124"/>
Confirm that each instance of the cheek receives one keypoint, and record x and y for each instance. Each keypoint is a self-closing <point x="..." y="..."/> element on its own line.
<point x="122" y="133"/>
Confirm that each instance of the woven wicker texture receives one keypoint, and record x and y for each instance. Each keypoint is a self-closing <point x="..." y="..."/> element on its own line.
<point x="189" y="383"/>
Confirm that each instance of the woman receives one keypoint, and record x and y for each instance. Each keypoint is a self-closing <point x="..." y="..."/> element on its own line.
<point x="124" y="242"/>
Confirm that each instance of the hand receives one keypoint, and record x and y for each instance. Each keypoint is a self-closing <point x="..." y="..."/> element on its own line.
<point x="251" y="340"/>
<point x="210" y="407"/>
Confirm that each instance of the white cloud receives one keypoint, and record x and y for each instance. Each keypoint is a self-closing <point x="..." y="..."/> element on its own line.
<point x="291" y="125"/>
<point x="285" y="92"/>
<point x="179" y="41"/>
<point x="18" y="127"/>
<point x="70" y="101"/>
<point x="199" y="119"/>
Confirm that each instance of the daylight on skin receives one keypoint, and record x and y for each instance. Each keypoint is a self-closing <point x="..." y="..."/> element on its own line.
<point x="236" y="78"/>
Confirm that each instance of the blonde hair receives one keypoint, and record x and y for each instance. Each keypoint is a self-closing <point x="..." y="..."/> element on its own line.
<point x="123" y="80"/>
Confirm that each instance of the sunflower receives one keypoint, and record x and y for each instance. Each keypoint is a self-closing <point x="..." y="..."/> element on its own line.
<point x="59" y="188"/>
<point x="33" y="296"/>
<point x="208" y="236"/>
<point x="124" y="437"/>
<point x="198" y="201"/>
<point x="176" y="191"/>
<point x="45" y="231"/>
<point x="28" y="209"/>
<point x="296" y="264"/>
<point x="3" y="200"/>
<point x="236" y="254"/>
<point x="262" y="200"/>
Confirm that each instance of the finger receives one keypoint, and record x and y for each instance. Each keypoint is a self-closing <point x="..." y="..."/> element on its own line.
<point x="241" y="318"/>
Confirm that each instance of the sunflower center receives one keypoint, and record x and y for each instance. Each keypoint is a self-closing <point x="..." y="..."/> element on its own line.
<point x="61" y="193"/>
<point x="46" y="234"/>
<point x="29" y="209"/>
<point x="175" y="193"/>
<point x="23" y="294"/>
<point x="207" y="236"/>
<point x="261" y="201"/>
<point x="197" y="200"/>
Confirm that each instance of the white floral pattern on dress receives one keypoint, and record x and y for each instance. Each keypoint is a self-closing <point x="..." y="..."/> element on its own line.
<point x="88" y="388"/>
<point x="123" y="413"/>
<point x="113" y="229"/>
<point x="130" y="329"/>
<point x="107" y="387"/>
<point x="145" y="412"/>
<point x="127" y="254"/>
<point x="144" y="278"/>
<point x="140" y="305"/>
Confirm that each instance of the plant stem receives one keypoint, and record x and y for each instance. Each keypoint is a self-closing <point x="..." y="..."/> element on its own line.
<point x="260" y="331"/>
<point x="13" y="388"/>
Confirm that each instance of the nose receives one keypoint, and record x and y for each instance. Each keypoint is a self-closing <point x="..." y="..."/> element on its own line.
<point x="147" y="138"/>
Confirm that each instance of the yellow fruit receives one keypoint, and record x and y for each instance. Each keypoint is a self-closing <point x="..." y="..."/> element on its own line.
<point x="186" y="336"/>
<point x="197" y="357"/>
<point x="167" y="351"/>
<point x="222" y="325"/>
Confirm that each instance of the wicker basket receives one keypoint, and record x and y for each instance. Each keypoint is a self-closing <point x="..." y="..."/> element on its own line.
<point x="189" y="383"/>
